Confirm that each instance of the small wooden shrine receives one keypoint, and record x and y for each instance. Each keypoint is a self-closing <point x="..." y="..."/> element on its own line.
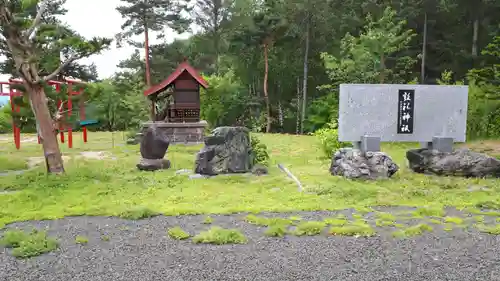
<point x="175" y="105"/>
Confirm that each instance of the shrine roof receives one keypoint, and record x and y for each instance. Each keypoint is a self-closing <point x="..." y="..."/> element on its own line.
<point x="184" y="66"/>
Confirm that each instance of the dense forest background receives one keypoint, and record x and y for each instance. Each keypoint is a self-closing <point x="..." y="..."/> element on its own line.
<point x="275" y="65"/>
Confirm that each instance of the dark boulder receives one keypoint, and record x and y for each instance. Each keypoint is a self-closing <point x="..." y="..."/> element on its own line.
<point x="154" y="143"/>
<point x="354" y="164"/>
<point x="154" y="146"/>
<point x="460" y="162"/>
<point x="227" y="150"/>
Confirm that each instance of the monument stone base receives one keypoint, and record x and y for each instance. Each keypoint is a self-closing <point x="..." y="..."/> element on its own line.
<point x="180" y="133"/>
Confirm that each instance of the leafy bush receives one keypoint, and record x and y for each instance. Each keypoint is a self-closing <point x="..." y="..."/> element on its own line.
<point x="328" y="137"/>
<point x="260" y="151"/>
<point x="28" y="245"/>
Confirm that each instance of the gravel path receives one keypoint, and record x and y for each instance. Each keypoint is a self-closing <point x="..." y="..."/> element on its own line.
<point x="141" y="250"/>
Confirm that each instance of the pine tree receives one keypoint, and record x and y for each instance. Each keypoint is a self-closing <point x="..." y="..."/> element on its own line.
<point x="144" y="16"/>
<point x="31" y="36"/>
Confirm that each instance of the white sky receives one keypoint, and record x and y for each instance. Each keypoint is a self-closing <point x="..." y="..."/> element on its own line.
<point x="99" y="18"/>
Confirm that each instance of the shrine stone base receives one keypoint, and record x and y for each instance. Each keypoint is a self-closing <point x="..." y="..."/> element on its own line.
<point x="180" y="133"/>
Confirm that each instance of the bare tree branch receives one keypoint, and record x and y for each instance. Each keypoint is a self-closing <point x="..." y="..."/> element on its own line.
<point x="51" y="76"/>
<point x="38" y="19"/>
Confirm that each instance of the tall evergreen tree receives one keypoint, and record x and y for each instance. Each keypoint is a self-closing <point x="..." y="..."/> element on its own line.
<point x="144" y="16"/>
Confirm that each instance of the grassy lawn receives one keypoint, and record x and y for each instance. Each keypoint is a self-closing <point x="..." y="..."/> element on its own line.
<point x="113" y="187"/>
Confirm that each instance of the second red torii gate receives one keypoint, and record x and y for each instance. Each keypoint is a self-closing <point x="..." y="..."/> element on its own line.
<point x="57" y="84"/>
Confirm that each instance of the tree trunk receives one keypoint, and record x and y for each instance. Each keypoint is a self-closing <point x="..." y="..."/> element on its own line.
<point x="266" y="96"/>
<point x="424" y="52"/>
<point x="53" y="157"/>
<point x="474" y="37"/>
<point x="148" y="70"/>
<point x="304" y="82"/>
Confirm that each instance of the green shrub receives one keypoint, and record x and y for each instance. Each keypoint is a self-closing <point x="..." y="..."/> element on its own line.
<point x="329" y="140"/>
<point x="26" y="245"/>
<point x="260" y="151"/>
<point x="219" y="236"/>
<point x="178" y="233"/>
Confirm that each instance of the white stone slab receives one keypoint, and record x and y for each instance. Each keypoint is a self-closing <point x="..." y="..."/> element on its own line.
<point x="372" y="110"/>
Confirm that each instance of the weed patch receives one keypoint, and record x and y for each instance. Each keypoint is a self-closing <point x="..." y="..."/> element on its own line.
<point x="26" y="245"/>
<point x="207" y="220"/>
<point x="309" y="228"/>
<point x="277" y="230"/>
<point x="219" y="236"/>
<point x="413" y="230"/>
<point x="428" y="212"/>
<point x="178" y="233"/>
<point x="81" y="240"/>
<point x="263" y="221"/>
<point x="138" y="213"/>
<point x="357" y="228"/>
<point x="454" y="220"/>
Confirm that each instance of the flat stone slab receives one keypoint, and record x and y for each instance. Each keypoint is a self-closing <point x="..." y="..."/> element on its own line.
<point x="377" y="110"/>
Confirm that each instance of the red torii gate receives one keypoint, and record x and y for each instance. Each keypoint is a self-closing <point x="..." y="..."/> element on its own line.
<point x="57" y="84"/>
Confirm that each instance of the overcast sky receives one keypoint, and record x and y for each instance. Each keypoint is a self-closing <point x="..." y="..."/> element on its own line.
<point x="100" y="18"/>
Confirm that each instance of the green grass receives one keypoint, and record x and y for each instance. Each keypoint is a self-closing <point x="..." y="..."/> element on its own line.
<point x="105" y="238"/>
<point x="309" y="228"/>
<point x="413" y="230"/>
<point x="9" y="163"/>
<point x="81" y="240"/>
<point x="28" y="244"/>
<point x="137" y="213"/>
<point x="178" y="233"/>
<point x="116" y="188"/>
<point x="219" y="236"/>
<point x="356" y="228"/>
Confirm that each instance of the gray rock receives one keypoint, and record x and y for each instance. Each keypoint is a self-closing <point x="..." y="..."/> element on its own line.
<point x="153" y="164"/>
<point x="354" y="164"/>
<point x="227" y="150"/>
<point x="460" y="162"/>
<point x="154" y="143"/>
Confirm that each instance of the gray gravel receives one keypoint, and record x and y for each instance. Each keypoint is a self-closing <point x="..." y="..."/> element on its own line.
<point x="141" y="250"/>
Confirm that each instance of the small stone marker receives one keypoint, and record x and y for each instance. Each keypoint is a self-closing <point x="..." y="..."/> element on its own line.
<point x="433" y="115"/>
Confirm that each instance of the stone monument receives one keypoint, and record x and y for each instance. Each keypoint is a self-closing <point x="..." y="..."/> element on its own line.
<point x="370" y="114"/>
<point x="154" y="146"/>
<point x="227" y="150"/>
<point x="435" y="116"/>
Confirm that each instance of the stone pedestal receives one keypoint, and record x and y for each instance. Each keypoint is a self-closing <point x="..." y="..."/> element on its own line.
<point x="180" y="133"/>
